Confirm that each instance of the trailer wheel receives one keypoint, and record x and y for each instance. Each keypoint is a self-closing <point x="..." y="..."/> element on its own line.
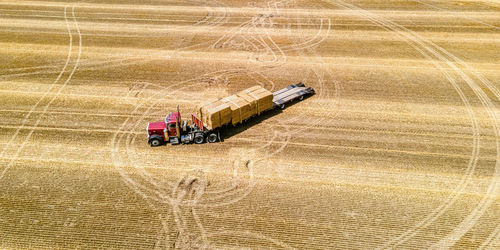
<point x="212" y="138"/>
<point x="301" y="98"/>
<point x="155" y="142"/>
<point x="282" y="106"/>
<point x="198" y="139"/>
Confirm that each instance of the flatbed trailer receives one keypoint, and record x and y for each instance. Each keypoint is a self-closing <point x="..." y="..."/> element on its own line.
<point x="174" y="131"/>
<point x="291" y="93"/>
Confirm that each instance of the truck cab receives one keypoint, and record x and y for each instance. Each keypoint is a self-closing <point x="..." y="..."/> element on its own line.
<point x="172" y="122"/>
<point x="161" y="131"/>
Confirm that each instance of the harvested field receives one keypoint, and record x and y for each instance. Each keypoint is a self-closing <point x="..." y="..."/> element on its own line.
<point x="399" y="147"/>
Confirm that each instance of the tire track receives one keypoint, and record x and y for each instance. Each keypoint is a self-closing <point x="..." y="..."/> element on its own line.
<point x="475" y="154"/>
<point x="222" y="194"/>
<point x="120" y="62"/>
<point x="458" y="16"/>
<point x="139" y="187"/>
<point x="194" y="215"/>
<point x="52" y="85"/>
<point x="469" y="171"/>
<point x="190" y="199"/>
<point x="19" y="149"/>
<point x="489" y="243"/>
<point x="484" y="204"/>
<point x="139" y="120"/>
<point x="175" y="207"/>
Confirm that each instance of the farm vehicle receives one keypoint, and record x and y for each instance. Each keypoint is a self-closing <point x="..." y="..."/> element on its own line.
<point x="216" y="115"/>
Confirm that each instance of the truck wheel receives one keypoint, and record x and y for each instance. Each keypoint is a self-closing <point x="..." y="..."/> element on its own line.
<point x="282" y="106"/>
<point x="212" y="138"/>
<point x="155" y="142"/>
<point x="301" y="98"/>
<point x="198" y="139"/>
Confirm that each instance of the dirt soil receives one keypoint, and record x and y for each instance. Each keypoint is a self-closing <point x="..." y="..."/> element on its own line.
<point x="399" y="148"/>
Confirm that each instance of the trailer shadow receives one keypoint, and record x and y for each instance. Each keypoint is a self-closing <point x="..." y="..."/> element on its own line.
<point x="230" y="130"/>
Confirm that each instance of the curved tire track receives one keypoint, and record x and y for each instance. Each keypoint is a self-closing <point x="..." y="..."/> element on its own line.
<point x="46" y="107"/>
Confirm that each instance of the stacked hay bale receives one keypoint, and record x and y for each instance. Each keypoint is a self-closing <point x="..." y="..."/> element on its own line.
<point x="240" y="108"/>
<point x="214" y="113"/>
<point x="236" y="108"/>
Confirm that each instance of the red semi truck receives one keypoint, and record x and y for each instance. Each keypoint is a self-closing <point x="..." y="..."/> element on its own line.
<point x="173" y="130"/>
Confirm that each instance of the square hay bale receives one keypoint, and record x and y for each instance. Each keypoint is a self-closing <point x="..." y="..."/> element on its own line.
<point x="235" y="108"/>
<point x="252" y="88"/>
<point x="214" y="113"/>
<point x="240" y="108"/>
<point x="265" y="101"/>
<point x="259" y="98"/>
<point x="251" y="101"/>
<point x="217" y="116"/>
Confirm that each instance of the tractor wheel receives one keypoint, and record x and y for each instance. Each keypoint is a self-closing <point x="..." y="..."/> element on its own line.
<point x="212" y="138"/>
<point x="155" y="142"/>
<point x="198" y="139"/>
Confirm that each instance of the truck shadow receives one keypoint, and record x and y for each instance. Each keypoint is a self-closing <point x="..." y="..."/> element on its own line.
<point x="230" y="130"/>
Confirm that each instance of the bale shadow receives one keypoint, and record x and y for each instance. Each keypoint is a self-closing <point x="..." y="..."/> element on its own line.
<point x="229" y="131"/>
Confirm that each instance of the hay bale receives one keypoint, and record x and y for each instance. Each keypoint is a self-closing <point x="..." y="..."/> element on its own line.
<point x="240" y="109"/>
<point x="214" y="113"/>
<point x="235" y="108"/>
<point x="260" y="98"/>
